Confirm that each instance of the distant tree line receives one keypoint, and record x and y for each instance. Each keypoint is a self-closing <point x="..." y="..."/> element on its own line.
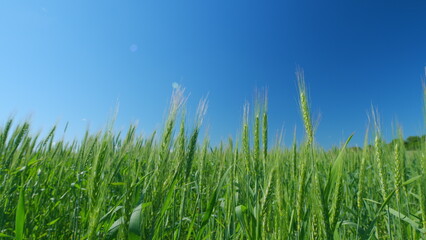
<point x="411" y="143"/>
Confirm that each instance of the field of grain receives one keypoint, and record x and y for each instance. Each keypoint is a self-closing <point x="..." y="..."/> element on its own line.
<point x="173" y="185"/>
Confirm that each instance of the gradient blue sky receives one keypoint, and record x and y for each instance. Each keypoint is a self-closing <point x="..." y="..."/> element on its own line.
<point x="72" y="61"/>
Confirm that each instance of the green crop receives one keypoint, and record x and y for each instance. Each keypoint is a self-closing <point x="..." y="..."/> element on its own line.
<point x="174" y="185"/>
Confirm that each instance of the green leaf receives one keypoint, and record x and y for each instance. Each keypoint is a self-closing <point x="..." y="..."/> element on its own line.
<point x="411" y="180"/>
<point x="240" y="213"/>
<point x="135" y="220"/>
<point x="118" y="184"/>
<point x="406" y="219"/>
<point x="5" y="236"/>
<point x="110" y="213"/>
<point x="385" y="203"/>
<point x="213" y="200"/>
<point x="20" y="216"/>
<point x="336" y="170"/>
<point x="53" y="222"/>
<point x="164" y="208"/>
<point x="211" y="204"/>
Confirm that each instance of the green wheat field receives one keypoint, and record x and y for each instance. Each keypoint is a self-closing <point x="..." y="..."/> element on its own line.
<point x="175" y="185"/>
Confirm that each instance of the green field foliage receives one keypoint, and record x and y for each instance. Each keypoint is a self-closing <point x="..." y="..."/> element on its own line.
<point x="174" y="184"/>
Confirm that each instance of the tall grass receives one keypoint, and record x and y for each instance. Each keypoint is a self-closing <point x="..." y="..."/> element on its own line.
<point x="174" y="185"/>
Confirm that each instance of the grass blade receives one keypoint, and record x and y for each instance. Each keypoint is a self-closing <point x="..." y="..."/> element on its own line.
<point x="20" y="216"/>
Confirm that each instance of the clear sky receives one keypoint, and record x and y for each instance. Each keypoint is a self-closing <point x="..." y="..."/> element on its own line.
<point x="72" y="61"/>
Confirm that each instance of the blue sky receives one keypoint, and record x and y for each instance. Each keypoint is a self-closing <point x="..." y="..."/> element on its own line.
<point x="72" y="61"/>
